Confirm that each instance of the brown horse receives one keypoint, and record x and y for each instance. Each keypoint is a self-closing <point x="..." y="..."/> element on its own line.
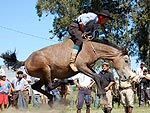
<point x="53" y="62"/>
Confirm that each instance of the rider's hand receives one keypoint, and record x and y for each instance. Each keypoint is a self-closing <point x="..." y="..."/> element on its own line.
<point x="81" y="25"/>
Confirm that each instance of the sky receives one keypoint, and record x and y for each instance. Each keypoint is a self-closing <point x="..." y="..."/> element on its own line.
<point x="18" y="18"/>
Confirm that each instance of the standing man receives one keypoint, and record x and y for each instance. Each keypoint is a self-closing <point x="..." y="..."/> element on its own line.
<point x="126" y="92"/>
<point x="108" y="80"/>
<point x="85" y="23"/>
<point x="139" y="73"/>
<point x="84" y="84"/>
<point x="140" y="70"/>
<point x="145" y="90"/>
<point x="20" y="85"/>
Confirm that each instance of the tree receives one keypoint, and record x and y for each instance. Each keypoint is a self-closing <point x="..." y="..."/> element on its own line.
<point x="129" y="27"/>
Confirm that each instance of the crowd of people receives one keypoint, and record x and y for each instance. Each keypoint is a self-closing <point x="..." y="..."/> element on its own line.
<point x="18" y="92"/>
<point x="21" y="93"/>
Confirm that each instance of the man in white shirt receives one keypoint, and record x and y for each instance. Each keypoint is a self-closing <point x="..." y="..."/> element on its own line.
<point x="145" y="91"/>
<point x="20" y="84"/>
<point x="139" y="72"/>
<point x="84" y="84"/>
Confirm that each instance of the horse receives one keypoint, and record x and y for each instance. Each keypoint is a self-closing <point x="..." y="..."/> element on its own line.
<point x="53" y="62"/>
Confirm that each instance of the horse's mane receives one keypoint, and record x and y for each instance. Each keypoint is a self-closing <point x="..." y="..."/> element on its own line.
<point x="104" y="41"/>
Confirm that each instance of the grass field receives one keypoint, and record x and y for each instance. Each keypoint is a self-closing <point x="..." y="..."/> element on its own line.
<point x="71" y="108"/>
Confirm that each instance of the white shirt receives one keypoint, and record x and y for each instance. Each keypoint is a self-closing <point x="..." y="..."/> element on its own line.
<point x="139" y="71"/>
<point x="83" y="79"/>
<point x="86" y="17"/>
<point x="18" y="85"/>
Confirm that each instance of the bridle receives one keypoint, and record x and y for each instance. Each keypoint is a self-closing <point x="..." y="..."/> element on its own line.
<point x="89" y="38"/>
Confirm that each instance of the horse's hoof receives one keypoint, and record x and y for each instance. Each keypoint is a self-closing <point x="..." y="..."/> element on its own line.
<point x="50" y="103"/>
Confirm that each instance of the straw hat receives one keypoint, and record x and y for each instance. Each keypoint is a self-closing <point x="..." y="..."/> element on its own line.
<point x="105" y="63"/>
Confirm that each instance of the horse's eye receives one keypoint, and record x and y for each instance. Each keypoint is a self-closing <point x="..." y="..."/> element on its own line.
<point x="126" y="61"/>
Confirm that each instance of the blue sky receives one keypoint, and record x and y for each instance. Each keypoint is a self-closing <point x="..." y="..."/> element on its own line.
<point x="20" y="15"/>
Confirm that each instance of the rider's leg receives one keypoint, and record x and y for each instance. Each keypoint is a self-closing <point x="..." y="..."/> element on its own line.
<point x="76" y="36"/>
<point x="73" y="57"/>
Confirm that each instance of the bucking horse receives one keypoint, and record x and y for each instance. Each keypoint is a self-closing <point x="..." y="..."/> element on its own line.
<point x="53" y="62"/>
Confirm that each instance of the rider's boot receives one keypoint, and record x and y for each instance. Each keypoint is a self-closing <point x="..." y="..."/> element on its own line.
<point x="72" y="60"/>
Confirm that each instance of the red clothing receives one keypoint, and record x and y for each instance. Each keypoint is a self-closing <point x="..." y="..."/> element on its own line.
<point x="3" y="98"/>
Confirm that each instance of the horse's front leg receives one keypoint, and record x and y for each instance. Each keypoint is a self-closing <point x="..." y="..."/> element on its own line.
<point x="89" y="72"/>
<point x="98" y="80"/>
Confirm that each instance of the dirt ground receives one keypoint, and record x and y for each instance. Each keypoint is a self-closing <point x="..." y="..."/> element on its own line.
<point x="71" y="109"/>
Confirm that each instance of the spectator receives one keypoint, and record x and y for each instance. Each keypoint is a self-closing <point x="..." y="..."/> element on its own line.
<point x="20" y="86"/>
<point x="5" y="89"/>
<point x="108" y="80"/>
<point x="139" y="73"/>
<point x="126" y="92"/>
<point x="145" y="89"/>
<point x="56" y="95"/>
<point x="84" y="84"/>
<point x="140" y="70"/>
<point x="55" y="92"/>
<point x="28" y="79"/>
<point x="37" y="98"/>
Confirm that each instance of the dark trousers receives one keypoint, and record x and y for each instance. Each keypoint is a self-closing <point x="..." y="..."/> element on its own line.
<point x="83" y="95"/>
<point x="144" y="94"/>
<point x="76" y="35"/>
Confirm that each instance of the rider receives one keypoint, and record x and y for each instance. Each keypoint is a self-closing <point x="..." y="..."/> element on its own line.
<point x="85" y="24"/>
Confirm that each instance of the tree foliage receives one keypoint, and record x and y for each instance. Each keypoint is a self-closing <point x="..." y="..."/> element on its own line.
<point x="129" y="26"/>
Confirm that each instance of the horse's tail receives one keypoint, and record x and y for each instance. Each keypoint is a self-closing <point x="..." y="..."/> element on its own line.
<point x="10" y="60"/>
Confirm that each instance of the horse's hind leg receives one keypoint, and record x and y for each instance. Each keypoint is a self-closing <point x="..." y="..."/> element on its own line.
<point x="37" y="86"/>
<point x="48" y="80"/>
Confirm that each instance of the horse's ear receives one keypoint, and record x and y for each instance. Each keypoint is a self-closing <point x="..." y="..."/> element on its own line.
<point x="125" y="50"/>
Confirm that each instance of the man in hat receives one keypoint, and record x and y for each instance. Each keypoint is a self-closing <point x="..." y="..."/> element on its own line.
<point x="83" y="26"/>
<point x="107" y="79"/>
<point x="140" y="70"/>
<point x="126" y="92"/>
<point x="20" y="86"/>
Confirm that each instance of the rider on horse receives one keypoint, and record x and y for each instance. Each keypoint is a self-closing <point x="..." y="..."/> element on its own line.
<point x="85" y="23"/>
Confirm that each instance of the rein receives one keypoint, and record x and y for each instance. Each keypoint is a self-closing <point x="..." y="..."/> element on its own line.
<point x="89" y="38"/>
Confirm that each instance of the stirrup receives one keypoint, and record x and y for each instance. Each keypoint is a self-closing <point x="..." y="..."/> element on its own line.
<point x="73" y="67"/>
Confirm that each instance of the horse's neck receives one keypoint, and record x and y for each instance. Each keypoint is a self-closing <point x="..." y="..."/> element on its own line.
<point x="104" y="51"/>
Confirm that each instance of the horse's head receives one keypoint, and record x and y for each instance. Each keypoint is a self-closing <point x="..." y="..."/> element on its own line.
<point x="122" y="65"/>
